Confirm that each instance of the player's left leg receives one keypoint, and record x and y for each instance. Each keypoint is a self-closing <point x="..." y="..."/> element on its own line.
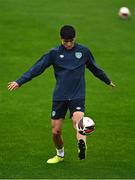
<point x="77" y="115"/>
<point x="77" y="108"/>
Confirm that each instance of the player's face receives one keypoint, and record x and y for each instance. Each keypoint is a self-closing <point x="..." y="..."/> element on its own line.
<point x="68" y="43"/>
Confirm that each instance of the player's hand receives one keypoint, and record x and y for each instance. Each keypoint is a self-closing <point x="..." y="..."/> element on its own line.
<point x="13" y="85"/>
<point x="112" y="84"/>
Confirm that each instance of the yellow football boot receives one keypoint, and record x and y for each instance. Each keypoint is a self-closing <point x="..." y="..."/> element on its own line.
<point x="55" y="159"/>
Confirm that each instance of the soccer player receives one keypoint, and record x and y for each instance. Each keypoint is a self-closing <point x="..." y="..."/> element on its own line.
<point x="69" y="61"/>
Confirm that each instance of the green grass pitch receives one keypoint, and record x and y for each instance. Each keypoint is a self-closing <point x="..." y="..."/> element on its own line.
<point x="28" y="29"/>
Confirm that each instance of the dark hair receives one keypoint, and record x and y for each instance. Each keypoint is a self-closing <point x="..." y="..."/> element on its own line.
<point x="67" y="32"/>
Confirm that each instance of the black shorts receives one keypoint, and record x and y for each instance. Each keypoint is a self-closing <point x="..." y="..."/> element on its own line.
<point x="60" y="108"/>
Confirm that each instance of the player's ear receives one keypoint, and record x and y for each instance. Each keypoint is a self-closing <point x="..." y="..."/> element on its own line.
<point x="74" y="39"/>
<point x="62" y="41"/>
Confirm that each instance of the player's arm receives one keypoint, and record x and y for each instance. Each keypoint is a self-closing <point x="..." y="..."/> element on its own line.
<point x="98" y="72"/>
<point x="38" y="68"/>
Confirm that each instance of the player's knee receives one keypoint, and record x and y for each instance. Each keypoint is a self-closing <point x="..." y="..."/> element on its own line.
<point x="77" y="116"/>
<point x="56" y="132"/>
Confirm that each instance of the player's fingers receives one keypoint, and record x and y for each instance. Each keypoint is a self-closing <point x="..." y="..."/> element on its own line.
<point x="11" y="86"/>
<point x="10" y="83"/>
<point x="16" y="88"/>
<point x="112" y="84"/>
<point x="8" y="88"/>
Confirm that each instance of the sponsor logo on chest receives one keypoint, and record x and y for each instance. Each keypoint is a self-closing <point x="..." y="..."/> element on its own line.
<point x="61" y="56"/>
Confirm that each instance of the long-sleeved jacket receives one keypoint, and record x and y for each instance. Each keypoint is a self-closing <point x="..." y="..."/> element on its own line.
<point x="69" y="68"/>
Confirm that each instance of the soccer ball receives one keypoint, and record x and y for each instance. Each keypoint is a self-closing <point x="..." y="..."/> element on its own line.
<point x="124" y="13"/>
<point x="85" y="126"/>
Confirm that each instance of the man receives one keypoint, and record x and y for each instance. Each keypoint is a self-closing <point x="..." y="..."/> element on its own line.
<point x="69" y="61"/>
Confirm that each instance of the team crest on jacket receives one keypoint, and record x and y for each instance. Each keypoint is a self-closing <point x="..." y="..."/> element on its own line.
<point x="78" y="55"/>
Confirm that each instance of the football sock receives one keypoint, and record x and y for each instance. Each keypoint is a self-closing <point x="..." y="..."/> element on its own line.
<point x="60" y="152"/>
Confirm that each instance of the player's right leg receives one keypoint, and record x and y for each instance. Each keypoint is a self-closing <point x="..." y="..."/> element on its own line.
<point x="58" y="141"/>
<point x="59" y="110"/>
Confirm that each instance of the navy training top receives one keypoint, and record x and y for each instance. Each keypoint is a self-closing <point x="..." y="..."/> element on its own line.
<point x="69" y="68"/>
